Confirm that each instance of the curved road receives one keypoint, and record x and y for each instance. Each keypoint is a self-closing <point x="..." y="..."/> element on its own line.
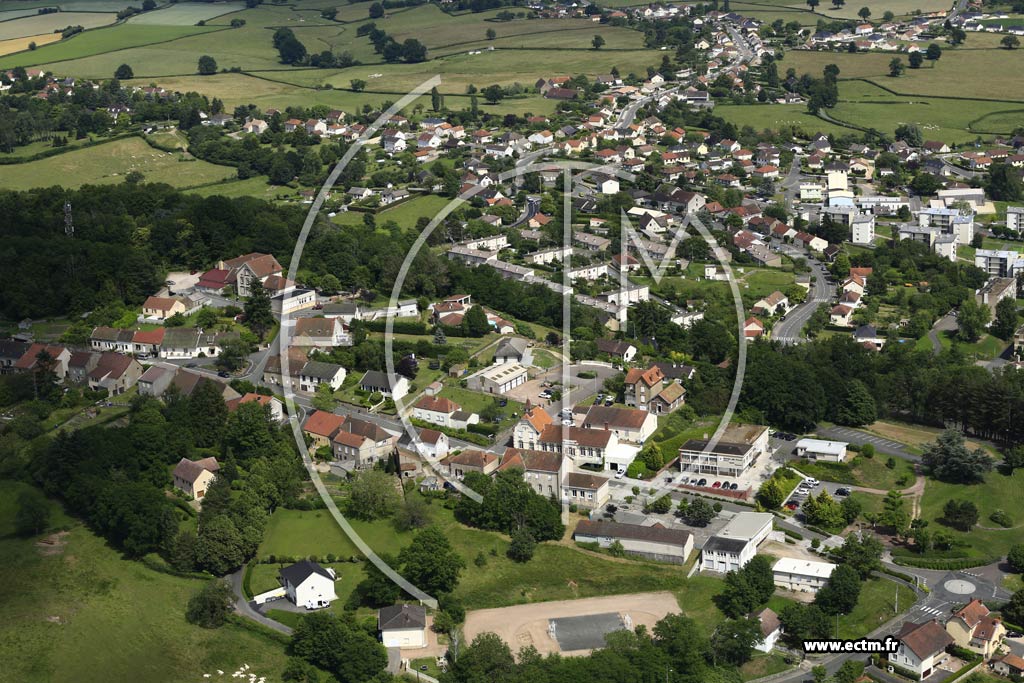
<point x="790" y="330"/>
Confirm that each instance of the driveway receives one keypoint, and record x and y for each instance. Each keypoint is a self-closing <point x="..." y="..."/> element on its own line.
<point x="248" y="609"/>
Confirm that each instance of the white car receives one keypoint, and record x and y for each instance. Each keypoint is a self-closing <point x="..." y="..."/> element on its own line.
<point x="620" y="474"/>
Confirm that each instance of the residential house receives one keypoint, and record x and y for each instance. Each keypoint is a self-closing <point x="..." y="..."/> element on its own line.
<point x="753" y="328"/>
<point x="162" y="307"/>
<point x="771" y="629"/>
<point x="111" y="339"/>
<point x="585" y="490"/>
<point x="542" y="470"/>
<point x="321" y="333"/>
<point x="616" y="349"/>
<point x="589" y="446"/>
<point x="922" y="648"/>
<point x="772" y="304"/>
<point x="10" y="351"/>
<point x="654" y="542"/>
<point x="511" y="350"/>
<point x="273" y="405"/>
<point x="315" y="372"/>
<point x="973" y="627"/>
<point x="376" y="382"/>
<point x="320" y="427"/>
<point x="1009" y="665"/>
<point x="359" y="444"/>
<point x="114" y="372"/>
<point x="628" y="424"/>
<point x="456" y="466"/>
<point x="527" y="431"/>
<point x="59" y="357"/>
<point x="433" y="443"/>
<point x="193" y="477"/>
<point x="403" y="626"/>
<point x="155" y="380"/>
<point x="435" y="410"/>
<point x="244" y="271"/>
<point x="309" y="585"/>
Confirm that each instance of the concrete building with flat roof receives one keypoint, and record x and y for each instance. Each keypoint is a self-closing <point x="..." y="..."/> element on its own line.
<point x="736" y="544"/>
<point x="817" y="449"/>
<point x="803" y="576"/>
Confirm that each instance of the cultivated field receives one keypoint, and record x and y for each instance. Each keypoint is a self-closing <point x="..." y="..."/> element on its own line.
<point x="186" y="14"/>
<point x="48" y="23"/>
<point x="19" y="44"/>
<point x="109" y="163"/>
<point x="100" y="41"/>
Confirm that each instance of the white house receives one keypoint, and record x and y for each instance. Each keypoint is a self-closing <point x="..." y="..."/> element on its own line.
<point x="736" y="544"/>
<point x="309" y="585"/>
<point x="403" y="626"/>
<point x="771" y="629"/>
<point x="804" y="576"/>
<point x="315" y="372"/>
<point x="375" y="381"/>
<point x="817" y="449"/>
<point x="922" y="648"/>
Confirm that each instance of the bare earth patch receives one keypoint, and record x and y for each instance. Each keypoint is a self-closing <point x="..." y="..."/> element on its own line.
<point x="53" y="544"/>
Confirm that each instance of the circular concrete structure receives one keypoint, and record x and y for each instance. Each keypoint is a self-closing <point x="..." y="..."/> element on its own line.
<point x="959" y="587"/>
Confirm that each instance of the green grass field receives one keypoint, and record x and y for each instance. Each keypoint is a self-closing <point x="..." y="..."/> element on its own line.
<point x="868" y="472"/>
<point x="48" y="23"/>
<point x="84" y="614"/>
<point x="186" y="14"/>
<point x="999" y="492"/>
<point x="876" y="606"/>
<point x="100" y="41"/>
<point x="109" y="163"/>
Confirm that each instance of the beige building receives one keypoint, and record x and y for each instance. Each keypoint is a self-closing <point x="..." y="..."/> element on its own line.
<point x="542" y="470"/>
<point x="801" y="576"/>
<point x="974" y="628"/>
<point x="162" y="308"/>
<point x="653" y="542"/>
<point x="194" y="476"/>
<point x="403" y="626"/>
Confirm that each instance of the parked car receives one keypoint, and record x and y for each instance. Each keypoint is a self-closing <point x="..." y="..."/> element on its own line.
<point x="842" y="491"/>
<point x="716" y="485"/>
<point x="733" y="486"/>
<point x="620" y="474"/>
<point x="223" y="373"/>
<point x="792" y="505"/>
<point x="544" y="394"/>
<point x="702" y="482"/>
<point x="609" y="401"/>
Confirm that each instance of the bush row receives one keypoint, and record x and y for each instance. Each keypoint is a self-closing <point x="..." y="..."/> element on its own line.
<point x="943" y="562"/>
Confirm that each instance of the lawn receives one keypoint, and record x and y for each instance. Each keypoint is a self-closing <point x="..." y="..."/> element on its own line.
<point x="544" y="359"/>
<point x="875" y="607"/>
<point x="405" y="214"/>
<point x="109" y="163"/>
<point x="999" y="491"/>
<point x="764" y="665"/>
<point x="476" y="402"/>
<point x="763" y="281"/>
<point x="87" y="615"/>
<point x="776" y="116"/>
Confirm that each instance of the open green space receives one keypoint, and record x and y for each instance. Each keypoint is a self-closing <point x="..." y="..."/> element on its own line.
<point x="186" y="13"/>
<point x="100" y="41"/>
<point x="110" y="163"/>
<point x="79" y="612"/>
<point x="48" y="23"/>
<point x="871" y="473"/>
<point x="500" y="581"/>
<point x="998" y="492"/>
<point x="877" y="605"/>
<point x="405" y="213"/>
<point x="763" y="665"/>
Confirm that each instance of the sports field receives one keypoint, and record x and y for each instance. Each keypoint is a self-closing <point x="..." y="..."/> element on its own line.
<point x="109" y="163"/>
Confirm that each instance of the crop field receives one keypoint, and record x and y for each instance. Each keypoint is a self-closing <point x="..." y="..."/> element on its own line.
<point x="100" y="41"/>
<point x="48" y="23"/>
<point x="849" y="11"/>
<point x="19" y="44"/>
<point x="109" y="163"/>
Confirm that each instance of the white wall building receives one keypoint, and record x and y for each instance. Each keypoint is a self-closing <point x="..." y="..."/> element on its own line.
<point x="803" y="576"/>
<point x="736" y="544"/>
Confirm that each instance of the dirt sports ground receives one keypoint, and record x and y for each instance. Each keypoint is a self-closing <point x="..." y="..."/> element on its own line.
<point x="524" y="625"/>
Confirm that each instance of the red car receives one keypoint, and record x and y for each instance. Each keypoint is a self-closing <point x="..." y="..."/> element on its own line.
<point x="716" y="485"/>
<point x="792" y="506"/>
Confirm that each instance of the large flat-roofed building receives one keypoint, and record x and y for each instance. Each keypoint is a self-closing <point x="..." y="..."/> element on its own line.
<point x="498" y="379"/>
<point x="997" y="263"/>
<point x="737" y="450"/>
<point x="736" y="544"/>
<point x="803" y="576"/>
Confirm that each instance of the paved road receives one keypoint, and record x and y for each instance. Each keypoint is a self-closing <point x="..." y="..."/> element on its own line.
<point x="791" y="183"/>
<point x="791" y="330"/>
<point x="246" y="609"/>
<point x="859" y="437"/>
<point x="946" y="323"/>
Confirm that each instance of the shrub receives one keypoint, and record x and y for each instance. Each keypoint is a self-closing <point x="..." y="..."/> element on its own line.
<point x="1001" y="518"/>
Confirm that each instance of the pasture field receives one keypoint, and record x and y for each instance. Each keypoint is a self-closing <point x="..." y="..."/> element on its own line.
<point x="19" y="44"/>
<point x="877" y="7"/>
<point x="67" y="6"/>
<point x="186" y="14"/>
<point x="109" y="163"/>
<point x="112" y="41"/>
<point x="775" y="116"/>
<point x="79" y="612"/>
<point x="38" y="24"/>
